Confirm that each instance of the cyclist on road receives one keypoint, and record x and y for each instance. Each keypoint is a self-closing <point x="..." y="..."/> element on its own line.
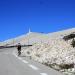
<point x="19" y="49"/>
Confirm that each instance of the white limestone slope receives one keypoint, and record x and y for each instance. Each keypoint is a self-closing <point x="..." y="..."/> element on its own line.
<point x="53" y="50"/>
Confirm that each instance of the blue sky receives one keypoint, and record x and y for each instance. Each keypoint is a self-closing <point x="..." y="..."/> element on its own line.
<point x="17" y="16"/>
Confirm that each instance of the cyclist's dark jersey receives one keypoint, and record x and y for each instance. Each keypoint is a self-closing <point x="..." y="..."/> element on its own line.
<point x="19" y="47"/>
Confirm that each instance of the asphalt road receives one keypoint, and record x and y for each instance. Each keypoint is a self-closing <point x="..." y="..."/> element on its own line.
<point x="11" y="64"/>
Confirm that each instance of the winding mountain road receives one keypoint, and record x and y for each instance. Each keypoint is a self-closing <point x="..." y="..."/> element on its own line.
<point x="11" y="64"/>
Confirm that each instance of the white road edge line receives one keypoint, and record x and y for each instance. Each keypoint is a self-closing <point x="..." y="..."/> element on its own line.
<point x="24" y="61"/>
<point x="33" y="67"/>
<point x="19" y="58"/>
<point x="43" y="73"/>
<point x="15" y="55"/>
